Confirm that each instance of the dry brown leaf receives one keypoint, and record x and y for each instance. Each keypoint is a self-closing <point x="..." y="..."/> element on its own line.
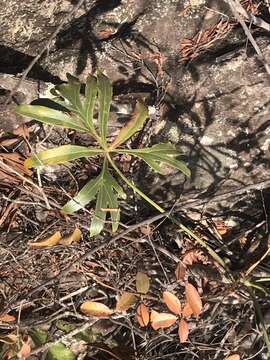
<point x="7" y="318"/>
<point x="9" y="339"/>
<point x="25" y="350"/>
<point x="146" y="230"/>
<point x="51" y="241"/>
<point x="172" y="302"/>
<point x="233" y="357"/>
<point x="8" y="142"/>
<point x="162" y="320"/>
<point x="183" y="331"/>
<point x="93" y="308"/>
<point x="180" y="271"/>
<point x="142" y="283"/>
<point x="142" y="315"/>
<point x="74" y="237"/>
<point x="191" y="257"/>
<point x="193" y="299"/>
<point x="22" y="131"/>
<point x="125" y="301"/>
<point x="187" y="311"/>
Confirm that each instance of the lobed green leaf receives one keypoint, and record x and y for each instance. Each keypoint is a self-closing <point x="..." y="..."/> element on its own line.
<point x="84" y="196"/>
<point x="50" y="116"/>
<point x="71" y="92"/>
<point x="89" y="103"/>
<point x="60" y="154"/>
<point x="104" y="97"/>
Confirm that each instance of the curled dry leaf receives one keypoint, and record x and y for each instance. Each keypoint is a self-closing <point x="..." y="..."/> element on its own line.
<point x="51" y="241"/>
<point x="183" y="331"/>
<point x="142" y="283"/>
<point x="25" y="350"/>
<point x="162" y="320"/>
<point x="93" y="308"/>
<point x="187" y="311"/>
<point x="172" y="302"/>
<point x="125" y="301"/>
<point x="74" y="237"/>
<point x="233" y="357"/>
<point x="142" y="315"/>
<point x="193" y="299"/>
<point x="7" y="318"/>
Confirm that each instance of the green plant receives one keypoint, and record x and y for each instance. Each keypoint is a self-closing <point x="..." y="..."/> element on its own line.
<point x="79" y="114"/>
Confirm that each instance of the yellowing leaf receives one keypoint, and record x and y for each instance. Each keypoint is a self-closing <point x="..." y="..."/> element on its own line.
<point x="172" y="302"/>
<point x="142" y="283"/>
<point x="51" y="241"/>
<point x="142" y="315"/>
<point x="183" y="331"/>
<point x="187" y="311"/>
<point x="133" y="125"/>
<point x="7" y="318"/>
<point x="25" y="350"/>
<point x="193" y="299"/>
<point x="74" y="237"/>
<point x="162" y="320"/>
<point x="233" y="357"/>
<point x="125" y="301"/>
<point x="93" y="308"/>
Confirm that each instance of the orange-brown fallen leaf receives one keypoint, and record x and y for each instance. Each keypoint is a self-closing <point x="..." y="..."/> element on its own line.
<point x="125" y="301"/>
<point x="93" y="308"/>
<point x="142" y="282"/>
<point x="7" y="318"/>
<point x="187" y="311"/>
<point x="162" y="320"/>
<point x="51" y="241"/>
<point x="74" y="237"/>
<point x="142" y="315"/>
<point x="193" y="299"/>
<point x="183" y="331"/>
<point x="172" y="302"/>
<point x="233" y="357"/>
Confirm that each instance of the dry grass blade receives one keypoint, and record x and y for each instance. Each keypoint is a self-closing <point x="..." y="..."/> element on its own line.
<point x="172" y="302"/>
<point x="142" y="283"/>
<point x="142" y="315"/>
<point x="162" y="320"/>
<point x="51" y="241"/>
<point x="183" y="331"/>
<point x="93" y="308"/>
<point x="125" y="301"/>
<point x="193" y="299"/>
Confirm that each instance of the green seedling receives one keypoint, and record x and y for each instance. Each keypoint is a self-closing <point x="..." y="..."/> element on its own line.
<point x="79" y="114"/>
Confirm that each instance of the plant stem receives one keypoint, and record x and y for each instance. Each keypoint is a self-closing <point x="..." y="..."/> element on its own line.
<point x="161" y="210"/>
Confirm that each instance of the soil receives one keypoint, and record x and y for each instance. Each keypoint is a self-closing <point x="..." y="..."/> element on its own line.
<point x="208" y="92"/>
